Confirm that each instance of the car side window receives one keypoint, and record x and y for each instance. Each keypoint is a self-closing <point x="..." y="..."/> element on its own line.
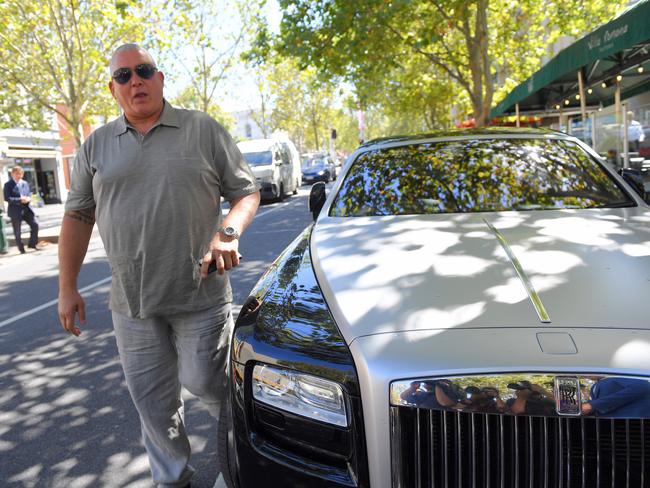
<point x="286" y="158"/>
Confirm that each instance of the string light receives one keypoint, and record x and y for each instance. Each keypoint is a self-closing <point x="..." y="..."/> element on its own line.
<point x="640" y="69"/>
<point x="619" y="77"/>
<point x="557" y="107"/>
<point x="566" y="102"/>
<point x="603" y="84"/>
<point x="590" y="91"/>
<point x="577" y="96"/>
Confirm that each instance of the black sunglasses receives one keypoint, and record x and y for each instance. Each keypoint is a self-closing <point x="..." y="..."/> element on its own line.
<point x="144" y="71"/>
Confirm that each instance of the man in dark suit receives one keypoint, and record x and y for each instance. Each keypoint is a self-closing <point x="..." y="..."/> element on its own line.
<point x="18" y="195"/>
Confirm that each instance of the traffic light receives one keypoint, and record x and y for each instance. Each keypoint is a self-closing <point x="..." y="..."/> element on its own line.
<point x="333" y="135"/>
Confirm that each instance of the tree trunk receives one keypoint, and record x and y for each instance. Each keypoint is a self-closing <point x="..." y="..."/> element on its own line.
<point x="482" y="85"/>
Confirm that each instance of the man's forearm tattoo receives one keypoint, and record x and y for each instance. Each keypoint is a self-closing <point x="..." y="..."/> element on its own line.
<point x="85" y="215"/>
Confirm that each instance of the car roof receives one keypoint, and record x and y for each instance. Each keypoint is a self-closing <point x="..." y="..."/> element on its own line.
<point x="485" y="132"/>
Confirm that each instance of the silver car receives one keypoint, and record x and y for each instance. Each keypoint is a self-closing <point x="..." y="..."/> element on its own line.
<point x="468" y="310"/>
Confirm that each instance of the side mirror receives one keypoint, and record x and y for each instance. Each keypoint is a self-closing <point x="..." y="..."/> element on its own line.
<point x="317" y="197"/>
<point x="634" y="178"/>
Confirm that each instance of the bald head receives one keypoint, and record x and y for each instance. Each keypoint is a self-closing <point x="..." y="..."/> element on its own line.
<point x="125" y="48"/>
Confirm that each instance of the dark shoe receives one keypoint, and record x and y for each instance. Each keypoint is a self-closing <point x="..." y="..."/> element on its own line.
<point x="35" y="248"/>
<point x="22" y="251"/>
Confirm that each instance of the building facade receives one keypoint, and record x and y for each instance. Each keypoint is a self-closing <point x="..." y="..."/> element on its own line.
<point x="246" y="126"/>
<point x="39" y="153"/>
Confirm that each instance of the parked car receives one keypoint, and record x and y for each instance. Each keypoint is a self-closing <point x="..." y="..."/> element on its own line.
<point x="276" y="165"/>
<point x="468" y="309"/>
<point x="317" y="169"/>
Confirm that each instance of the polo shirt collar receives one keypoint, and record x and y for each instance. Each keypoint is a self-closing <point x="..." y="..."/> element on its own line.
<point x="168" y="117"/>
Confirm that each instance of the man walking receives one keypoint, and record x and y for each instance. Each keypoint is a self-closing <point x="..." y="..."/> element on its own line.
<point x="153" y="180"/>
<point x="19" y="197"/>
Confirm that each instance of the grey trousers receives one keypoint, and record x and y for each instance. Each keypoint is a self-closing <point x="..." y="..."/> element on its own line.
<point x="161" y="354"/>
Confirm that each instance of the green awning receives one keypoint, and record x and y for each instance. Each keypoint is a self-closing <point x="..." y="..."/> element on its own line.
<point x="619" y="47"/>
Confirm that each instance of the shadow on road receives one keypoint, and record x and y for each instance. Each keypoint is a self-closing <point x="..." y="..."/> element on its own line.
<point x="66" y="418"/>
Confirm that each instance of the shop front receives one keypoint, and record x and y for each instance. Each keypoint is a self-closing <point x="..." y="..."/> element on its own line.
<point x="597" y="89"/>
<point x="39" y="154"/>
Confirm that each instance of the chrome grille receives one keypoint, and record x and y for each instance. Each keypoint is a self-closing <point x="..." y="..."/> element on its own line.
<point x="447" y="449"/>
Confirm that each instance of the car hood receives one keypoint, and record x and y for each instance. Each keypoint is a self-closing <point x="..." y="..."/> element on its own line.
<point x="383" y="358"/>
<point x="262" y="171"/>
<point x="312" y="170"/>
<point x="590" y="268"/>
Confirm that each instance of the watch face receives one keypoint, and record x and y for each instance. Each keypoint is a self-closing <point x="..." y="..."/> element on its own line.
<point x="230" y="232"/>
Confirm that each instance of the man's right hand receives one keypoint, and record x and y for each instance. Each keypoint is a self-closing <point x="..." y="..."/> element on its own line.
<point x="70" y="304"/>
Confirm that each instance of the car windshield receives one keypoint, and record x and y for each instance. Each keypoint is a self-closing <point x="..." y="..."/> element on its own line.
<point x="307" y="163"/>
<point x="258" y="158"/>
<point x="479" y="175"/>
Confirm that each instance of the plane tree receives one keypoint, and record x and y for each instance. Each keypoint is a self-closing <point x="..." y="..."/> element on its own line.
<point x="54" y="56"/>
<point x="473" y="43"/>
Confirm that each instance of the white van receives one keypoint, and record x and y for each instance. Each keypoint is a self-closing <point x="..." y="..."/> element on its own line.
<point x="276" y="165"/>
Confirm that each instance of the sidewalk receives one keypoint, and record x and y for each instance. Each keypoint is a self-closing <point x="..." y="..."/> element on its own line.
<point x="49" y="221"/>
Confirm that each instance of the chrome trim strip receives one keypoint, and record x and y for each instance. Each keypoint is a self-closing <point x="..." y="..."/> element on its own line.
<point x="487" y="450"/>
<point x="459" y="452"/>
<point x="546" y="463"/>
<point x="597" y="454"/>
<point x="518" y="394"/>
<point x="502" y="460"/>
<point x="531" y="452"/>
<point x="568" y="453"/>
<point x="418" y="451"/>
<point x="612" y="428"/>
<point x="516" y="443"/>
<point x="642" y="451"/>
<point x="583" y="448"/>
<point x="445" y="447"/>
<point x="530" y="289"/>
<point x="627" y="452"/>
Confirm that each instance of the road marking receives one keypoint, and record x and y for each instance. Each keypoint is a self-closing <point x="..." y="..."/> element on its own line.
<point x="50" y="303"/>
<point x="288" y="204"/>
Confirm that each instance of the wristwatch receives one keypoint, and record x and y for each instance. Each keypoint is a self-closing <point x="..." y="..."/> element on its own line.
<point x="229" y="232"/>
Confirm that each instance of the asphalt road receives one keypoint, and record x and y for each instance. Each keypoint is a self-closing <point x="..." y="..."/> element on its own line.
<point x="66" y="419"/>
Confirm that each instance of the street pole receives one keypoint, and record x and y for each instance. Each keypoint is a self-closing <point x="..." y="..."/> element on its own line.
<point x="517" y="114"/>
<point x="4" y="244"/>
<point x="332" y="138"/>
<point x="362" y="125"/>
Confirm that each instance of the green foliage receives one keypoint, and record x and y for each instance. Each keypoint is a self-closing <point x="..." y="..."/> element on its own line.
<point x="56" y="52"/>
<point x="463" y="44"/>
<point x="303" y="104"/>
<point x="202" y="40"/>
<point x="189" y="99"/>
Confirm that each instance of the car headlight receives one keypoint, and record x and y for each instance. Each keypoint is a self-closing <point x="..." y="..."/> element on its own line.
<point x="299" y="393"/>
<point x="321" y="172"/>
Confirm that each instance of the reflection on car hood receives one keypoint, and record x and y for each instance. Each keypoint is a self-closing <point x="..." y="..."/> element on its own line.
<point x="590" y="268"/>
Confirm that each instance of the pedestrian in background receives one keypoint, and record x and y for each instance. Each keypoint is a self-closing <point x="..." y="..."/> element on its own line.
<point x="19" y="197"/>
<point x="153" y="180"/>
<point x="635" y="134"/>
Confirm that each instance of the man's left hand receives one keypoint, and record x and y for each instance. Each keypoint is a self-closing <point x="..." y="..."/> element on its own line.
<point x="224" y="251"/>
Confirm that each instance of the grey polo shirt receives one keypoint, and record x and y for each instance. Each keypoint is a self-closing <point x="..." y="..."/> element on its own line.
<point x="157" y="201"/>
